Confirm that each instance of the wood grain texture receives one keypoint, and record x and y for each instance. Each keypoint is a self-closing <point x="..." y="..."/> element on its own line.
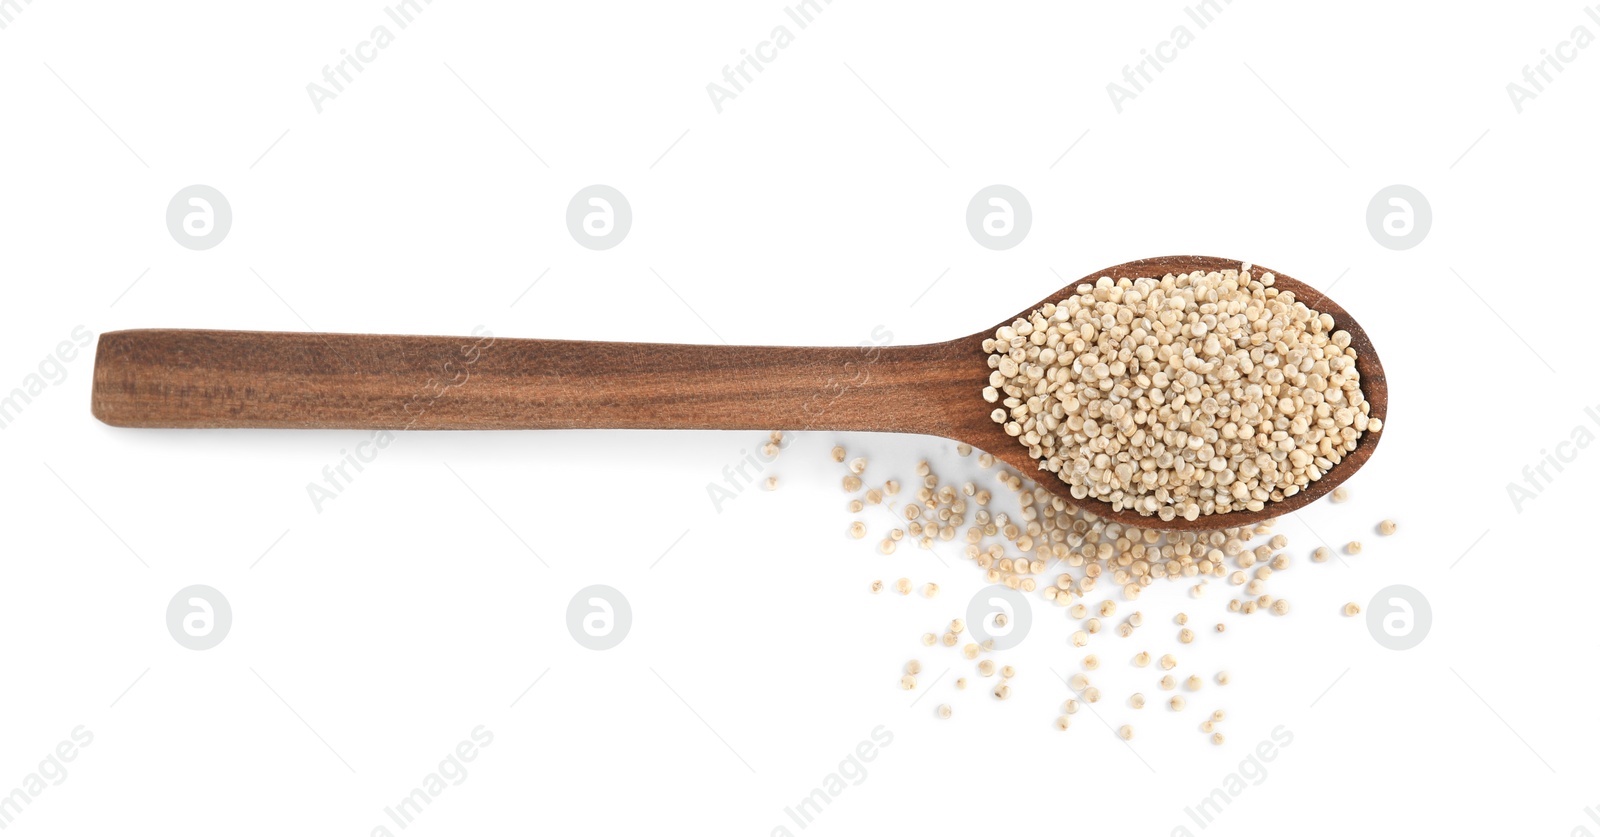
<point x="219" y="379"/>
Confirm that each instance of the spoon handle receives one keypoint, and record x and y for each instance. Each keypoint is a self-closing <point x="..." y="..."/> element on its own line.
<point x="192" y="378"/>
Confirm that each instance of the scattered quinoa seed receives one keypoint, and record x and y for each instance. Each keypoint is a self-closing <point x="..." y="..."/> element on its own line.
<point x="1352" y="609"/>
<point x="944" y="710"/>
<point x="1353" y="548"/>
<point x="1387" y="527"/>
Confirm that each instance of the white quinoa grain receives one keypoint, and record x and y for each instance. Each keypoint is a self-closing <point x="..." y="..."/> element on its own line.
<point x="1125" y="360"/>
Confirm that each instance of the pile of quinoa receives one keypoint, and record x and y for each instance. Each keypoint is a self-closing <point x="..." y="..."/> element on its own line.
<point x="1193" y="394"/>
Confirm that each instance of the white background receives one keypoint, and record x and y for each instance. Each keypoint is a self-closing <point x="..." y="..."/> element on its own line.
<point x="370" y="638"/>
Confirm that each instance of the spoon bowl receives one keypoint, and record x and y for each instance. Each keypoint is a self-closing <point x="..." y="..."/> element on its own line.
<point x="982" y="432"/>
<point x="183" y="378"/>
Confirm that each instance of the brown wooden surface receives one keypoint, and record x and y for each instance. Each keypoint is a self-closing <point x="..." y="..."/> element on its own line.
<point x="210" y="379"/>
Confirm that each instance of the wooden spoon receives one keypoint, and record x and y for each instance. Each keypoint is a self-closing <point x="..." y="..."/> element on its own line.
<point x="190" y="379"/>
